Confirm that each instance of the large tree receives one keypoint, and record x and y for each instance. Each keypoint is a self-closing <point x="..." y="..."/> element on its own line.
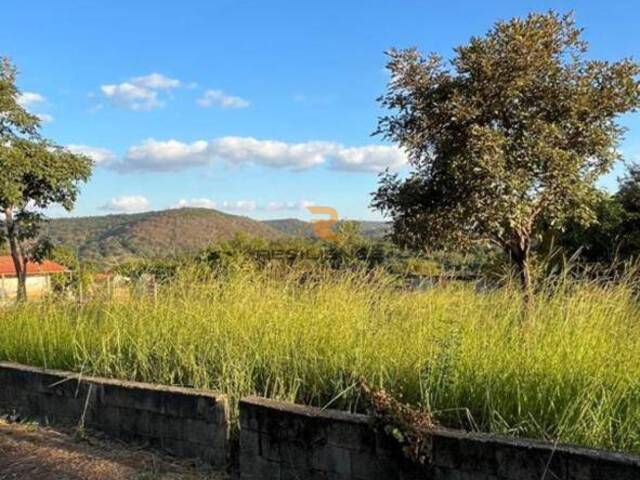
<point x="34" y="174"/>
<point x="510" y="136"/>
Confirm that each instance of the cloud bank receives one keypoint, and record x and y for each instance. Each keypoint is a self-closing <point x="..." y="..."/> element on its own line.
<point x="127" y="204"/>
<point x="242" y="205"/>
<point x="173" y="155"/>
<point x="153" y="155"/>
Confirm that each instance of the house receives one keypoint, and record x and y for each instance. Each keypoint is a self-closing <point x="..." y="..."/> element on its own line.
<point x="38" y="277"/>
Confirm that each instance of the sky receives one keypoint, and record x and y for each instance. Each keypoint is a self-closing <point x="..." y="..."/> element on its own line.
<point x="257" y="108"/>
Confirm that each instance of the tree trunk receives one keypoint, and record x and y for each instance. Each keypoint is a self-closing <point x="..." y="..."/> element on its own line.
<point x="16" y="255"/>
<point x="520" y="255"/>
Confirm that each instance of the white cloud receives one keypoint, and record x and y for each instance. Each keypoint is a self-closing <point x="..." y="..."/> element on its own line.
<point x="28" y="99"/>
<point x="139" y="93"/>
<point x="127" y="204"/>
<point x="44" y="117"/>
<point x="282" y="206"/>
<point x="174" y="155"/>
<point x="156" y="81"/>
<point x="100" y="156"/>
<point x="370" y="158"/>
<point x="131" y="96"/>
<point x="271" y="153"/>
<point x="244" y="205"/>
<point x="196" y="203"/>
<point x="170" y="155"/>
<point x="217" y="98"/>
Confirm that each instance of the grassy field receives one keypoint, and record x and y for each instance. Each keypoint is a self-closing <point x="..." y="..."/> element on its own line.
<point x="572" y="374"/>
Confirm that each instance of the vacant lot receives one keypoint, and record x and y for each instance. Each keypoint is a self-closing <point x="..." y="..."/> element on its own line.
<point x="571" y="373"/>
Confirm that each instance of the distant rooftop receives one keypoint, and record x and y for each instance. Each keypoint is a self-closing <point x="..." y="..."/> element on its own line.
<point x="45" y="268"/>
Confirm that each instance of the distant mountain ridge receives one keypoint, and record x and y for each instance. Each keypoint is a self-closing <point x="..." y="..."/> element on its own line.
<point x="114" y="238"/>
<point x="151" y="234"/>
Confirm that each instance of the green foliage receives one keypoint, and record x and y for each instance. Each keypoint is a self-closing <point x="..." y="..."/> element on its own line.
<point x="510" y="138"/>
<point x="34" y="174"/>
<point x="64" y="256"/>
<point x="79" y="278"/>
<point x="162" y="270"/>
<point x="629" y="198"/>
<point x="113" y="239"/>
<point x="349" y="251"/>
<point x="615" y="235"/>
<point x="572" y="374"/>
<point x="599" y="241"/>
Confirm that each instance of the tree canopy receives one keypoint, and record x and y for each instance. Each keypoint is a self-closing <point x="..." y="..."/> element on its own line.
<point x="510" y="136"/>
<point x="615" y="236"/>
<point x="34" y="174"/>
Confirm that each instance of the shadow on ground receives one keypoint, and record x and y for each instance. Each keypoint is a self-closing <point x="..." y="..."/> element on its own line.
<point x="29" y="451"/>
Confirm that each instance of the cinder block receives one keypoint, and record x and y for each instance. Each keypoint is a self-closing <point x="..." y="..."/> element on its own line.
<point x="528" y="462"/>
<point x="439" y="473"/>
<point x="332" y="459"/>
<point x="293" y="473"/>
<point x="354" y="436"/>
<point x="596" y="465"/>
<point x="260" y="469"/>
<point x="365" y="466"/>
<point x="463" y="453"/>
<point x="58" y="407"/>
<point x="297" y="454"/>
<point x="107" y="418"/>
<point x="212" y="410"/>
<point x="249" y="446"/>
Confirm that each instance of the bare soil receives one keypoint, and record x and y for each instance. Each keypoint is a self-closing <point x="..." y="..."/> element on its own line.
<point x="34" y="452"/>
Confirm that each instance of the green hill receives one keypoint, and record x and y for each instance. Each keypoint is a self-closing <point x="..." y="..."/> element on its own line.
<point x="113" y="238"/>
<point x="291" y="227"/>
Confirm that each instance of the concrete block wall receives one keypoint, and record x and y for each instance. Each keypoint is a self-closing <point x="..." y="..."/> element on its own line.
<point x="285" y="441"/>
<point x="183" y="421"/>
<point x="280" y="440"/>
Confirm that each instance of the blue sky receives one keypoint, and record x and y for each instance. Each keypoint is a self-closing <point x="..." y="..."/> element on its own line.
<point x="253" y="107"/>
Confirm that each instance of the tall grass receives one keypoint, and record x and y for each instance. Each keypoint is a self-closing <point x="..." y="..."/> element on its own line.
<point x="571" y="374"/>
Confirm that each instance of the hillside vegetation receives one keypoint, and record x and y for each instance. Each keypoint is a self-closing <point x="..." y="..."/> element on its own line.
<point x="114" y="238"/>
<point x="299" y="228"/>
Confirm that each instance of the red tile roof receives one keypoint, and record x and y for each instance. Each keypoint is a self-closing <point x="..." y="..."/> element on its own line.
<point x="7" y="269"/>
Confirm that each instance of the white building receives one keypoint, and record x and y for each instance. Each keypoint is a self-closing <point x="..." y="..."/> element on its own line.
<point x="38" y="278"/>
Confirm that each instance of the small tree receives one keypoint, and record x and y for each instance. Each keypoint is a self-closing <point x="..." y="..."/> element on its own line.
<point x="34" y="174"/>
<point x="511" y="137"/>
<point x="628" y="197"/>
